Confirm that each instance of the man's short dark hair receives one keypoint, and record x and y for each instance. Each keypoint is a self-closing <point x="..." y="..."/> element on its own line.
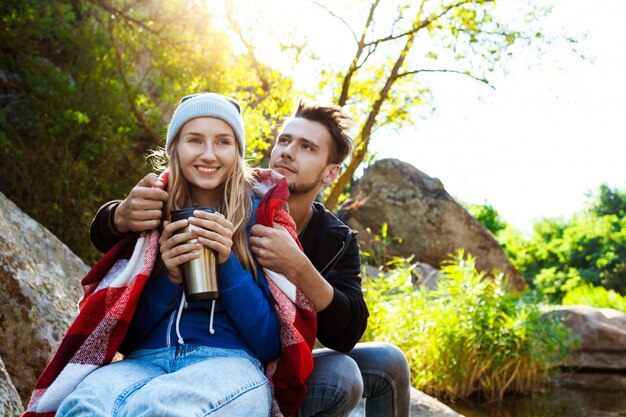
<point x="336" y="121"/>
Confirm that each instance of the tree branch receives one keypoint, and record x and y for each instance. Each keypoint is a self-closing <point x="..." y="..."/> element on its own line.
<point x="124" y="16"/>
<point x="127" y="87"/>
<point x="258" y="67"/>
<point x="482" y="80"/>
<point x="354" y="65"/>
<point x="330" y="12"/>
<point x="422" y="25"/>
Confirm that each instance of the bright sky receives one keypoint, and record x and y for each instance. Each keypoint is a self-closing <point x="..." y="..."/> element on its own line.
<point x="536" y="145"/>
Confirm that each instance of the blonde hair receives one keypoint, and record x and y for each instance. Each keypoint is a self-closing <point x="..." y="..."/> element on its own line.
<point x="236" y="204"/>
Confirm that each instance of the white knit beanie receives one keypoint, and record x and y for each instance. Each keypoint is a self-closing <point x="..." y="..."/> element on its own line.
<point x="207" y="105"/>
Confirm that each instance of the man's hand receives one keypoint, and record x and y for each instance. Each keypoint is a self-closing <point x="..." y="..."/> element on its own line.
<point x="275" y="249"/>
<point x="141" y="210"/>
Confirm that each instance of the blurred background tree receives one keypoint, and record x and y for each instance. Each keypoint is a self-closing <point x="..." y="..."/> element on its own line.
<point x="588" y="249"/>
<point x="488" y="216"/>
<point x="87" y="87"/>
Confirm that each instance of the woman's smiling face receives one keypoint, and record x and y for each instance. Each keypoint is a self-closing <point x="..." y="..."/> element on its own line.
<point x="207" y="149"/>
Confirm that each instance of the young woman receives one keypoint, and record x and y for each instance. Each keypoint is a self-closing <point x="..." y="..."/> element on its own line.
<point x="196" y="358"/>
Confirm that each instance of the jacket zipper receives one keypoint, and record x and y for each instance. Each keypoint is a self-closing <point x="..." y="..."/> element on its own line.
<point x="338" y="254"/>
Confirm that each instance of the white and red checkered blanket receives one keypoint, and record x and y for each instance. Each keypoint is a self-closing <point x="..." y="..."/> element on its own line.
<point x="112" y="289"/>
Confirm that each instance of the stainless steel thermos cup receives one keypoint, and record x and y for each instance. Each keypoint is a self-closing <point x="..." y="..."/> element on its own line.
<point x="199" y="274"/>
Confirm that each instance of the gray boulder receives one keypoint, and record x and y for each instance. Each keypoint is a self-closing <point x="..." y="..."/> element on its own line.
<point x="591" y="381"/>
<point x="429" y="222"/>
<point x="39" y="291"/>
<point x="426" y="275"/>
<point x="10" y="403"/>
<point x="602" y="335"/>
<point x="422" y="405"/>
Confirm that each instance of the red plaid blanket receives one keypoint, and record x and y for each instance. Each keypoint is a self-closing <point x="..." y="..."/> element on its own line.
<point x="295" y="312"/>
<point x="113" y="288"/>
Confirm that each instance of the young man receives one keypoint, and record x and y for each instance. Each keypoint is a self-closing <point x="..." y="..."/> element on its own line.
<point x="308" y="152"/>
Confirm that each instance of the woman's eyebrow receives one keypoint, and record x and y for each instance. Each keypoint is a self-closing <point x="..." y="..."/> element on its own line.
<point x="193" y="133"/>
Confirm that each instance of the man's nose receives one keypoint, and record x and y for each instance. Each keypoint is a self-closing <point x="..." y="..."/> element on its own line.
<point x="287" y="151"/>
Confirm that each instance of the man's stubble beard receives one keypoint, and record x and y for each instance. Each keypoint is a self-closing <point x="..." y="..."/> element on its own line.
<point x="301" y="189"/>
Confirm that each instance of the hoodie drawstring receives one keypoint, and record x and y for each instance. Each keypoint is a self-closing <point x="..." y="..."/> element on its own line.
<point x="178" y="316"/>
<point x="180" y="313"/>
<point x="211" y="330"/>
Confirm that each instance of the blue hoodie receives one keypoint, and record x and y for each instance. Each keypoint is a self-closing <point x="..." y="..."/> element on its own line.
<point x="243" y="317"/>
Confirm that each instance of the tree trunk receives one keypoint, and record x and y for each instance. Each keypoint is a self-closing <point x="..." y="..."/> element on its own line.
<point x="363" y="139"/>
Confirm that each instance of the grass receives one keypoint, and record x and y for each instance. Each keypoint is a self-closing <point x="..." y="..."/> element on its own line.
<point x="470" y="336"/>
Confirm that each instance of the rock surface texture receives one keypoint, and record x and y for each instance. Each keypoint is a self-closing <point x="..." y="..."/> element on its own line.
<point x="10" y="403"/>
<point x="39" y="290"/>
<point x="429" y="222"/>
<point x="422" y="405"/>
<point x="602" y="334"/>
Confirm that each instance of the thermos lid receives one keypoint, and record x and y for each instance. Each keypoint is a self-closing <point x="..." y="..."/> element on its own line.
<point x="188" y="212"/>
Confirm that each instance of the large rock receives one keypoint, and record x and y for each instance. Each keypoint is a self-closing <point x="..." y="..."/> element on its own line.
<point x="602" y="335"/>
<point x="422" y="405"/>
<point x="39" y="291"/>
<point x="10" y="403"/>
<point x="592" y="381"/>
<point x="429" y="222"/>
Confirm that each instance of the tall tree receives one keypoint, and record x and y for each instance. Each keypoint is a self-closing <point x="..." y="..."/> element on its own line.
<point x="384" y="80"/>
<point x="396" y="43"/>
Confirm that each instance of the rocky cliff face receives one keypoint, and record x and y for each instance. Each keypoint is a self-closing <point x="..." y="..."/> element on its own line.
<point x="429" y="222"/>
<point x="39" y="291"/>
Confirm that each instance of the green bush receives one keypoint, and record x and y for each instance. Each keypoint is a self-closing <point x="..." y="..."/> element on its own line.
<point x="470" y="336"/>
<point x="593" y="296"/>
<point x="589" y="248"/>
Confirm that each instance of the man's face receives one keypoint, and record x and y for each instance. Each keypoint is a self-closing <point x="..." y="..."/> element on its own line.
<point x="301" y="156"/>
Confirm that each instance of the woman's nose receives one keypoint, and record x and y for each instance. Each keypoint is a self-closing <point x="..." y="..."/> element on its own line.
<point x="208" y="153"/>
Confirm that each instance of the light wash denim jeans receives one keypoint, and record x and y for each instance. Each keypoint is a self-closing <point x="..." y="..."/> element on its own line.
<point x="180" y="381"/>
<point x="378" y="372"/>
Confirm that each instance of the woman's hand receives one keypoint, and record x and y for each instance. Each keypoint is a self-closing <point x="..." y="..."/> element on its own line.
<point x="176" y="250"/>
<point x="213" y="231"/>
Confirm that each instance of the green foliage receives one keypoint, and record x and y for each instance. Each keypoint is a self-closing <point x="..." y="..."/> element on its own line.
<point x="379" y="244"/>
<point x="589" y="248"/>
<point x="600" y="297"/>
<point x="470" y="336"/>
<point x="608" y="201"/>
<point x="86" y="88"/>
<point x="488" y="217"/>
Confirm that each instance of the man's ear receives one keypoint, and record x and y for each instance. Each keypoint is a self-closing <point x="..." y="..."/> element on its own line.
<point x="331" y="172"/>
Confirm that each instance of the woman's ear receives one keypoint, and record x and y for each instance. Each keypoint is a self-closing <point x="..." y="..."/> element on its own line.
<point x="331" y="172"/>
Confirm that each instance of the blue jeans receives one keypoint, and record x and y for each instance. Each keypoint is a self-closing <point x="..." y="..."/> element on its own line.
<point x="379" y="372"/>
<point x="175" y="382"/>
